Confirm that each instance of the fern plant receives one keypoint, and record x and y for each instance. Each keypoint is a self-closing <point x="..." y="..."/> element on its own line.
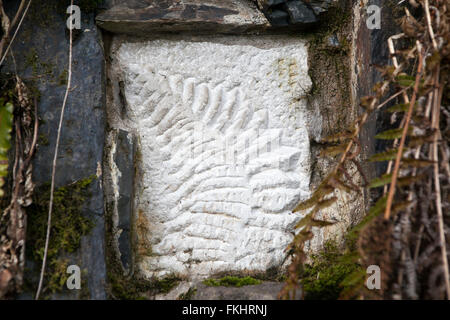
<point x="404" y="231"/>
<point x="6" y="120"/>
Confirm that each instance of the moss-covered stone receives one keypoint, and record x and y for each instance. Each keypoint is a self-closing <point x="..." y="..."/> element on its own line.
<point x="188" y="295"/>
<point x="68" y="225"/>
<point x="39" y="68"/>
<point x="232" y="281"/>
<point x="43" y="140"/>
<point x="324" y="277"/>
<point x="135" y="288"/>
<point x="62" y="78"/>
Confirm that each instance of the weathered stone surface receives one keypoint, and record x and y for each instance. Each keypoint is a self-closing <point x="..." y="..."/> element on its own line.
<point x="278" y="18"/>
<point x="264" y="291"/>
<point x="200" y="16"/>
<point x="124" y="161"/>
<point x="224" y="149"/>
<point x="41" y="52"/>
<point x="300" y="13"/>
<point x="320" y="6"/>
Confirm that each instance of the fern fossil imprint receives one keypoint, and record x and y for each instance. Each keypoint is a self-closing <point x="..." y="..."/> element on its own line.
<point x="225" y="152"/>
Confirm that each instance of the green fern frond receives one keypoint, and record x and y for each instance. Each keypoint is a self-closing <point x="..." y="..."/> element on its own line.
<point x="326" y="203"/>
<point x="381" y="181"/>
<point x="418" y="140"/>
<point x="338" y="137"/>
<point x="323" y="190"/>
<point x="402" y="107"/>
<point x="384" y="156"/>
<point x="405" y="80"/>
<point x="417" y="163"/>
<point x="339" y="184"/>
<point x="305" y="220"/>
<point x="333" y="150"/>
<point x="6" y="120"/>
<point x="400" y="206"/>
<point x="303" y="236"/>
<point x="391" y="134"/>
<point x="409" y="180"/>
<point x="321" y="223"/>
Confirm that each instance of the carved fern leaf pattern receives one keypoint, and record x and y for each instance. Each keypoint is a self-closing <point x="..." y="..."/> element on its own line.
<point x="219" y="178"/>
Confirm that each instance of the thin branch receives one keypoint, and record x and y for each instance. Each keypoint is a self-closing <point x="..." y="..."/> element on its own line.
<point x="15" y="33"/>
<point x="391" y="98"/>
<point x="52" y="187"/>
<point x="430" y="28"/>
<point x="437" y="185"/>
<point x="19" y="11"/>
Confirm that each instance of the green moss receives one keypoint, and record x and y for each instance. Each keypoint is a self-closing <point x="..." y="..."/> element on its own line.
<point x="324" y="278"/>
<point x="39" y="68"/>
<point x="134" y="288"/>
<point x="188" y="295"/>
<point x="62" y="78"/>
<point x="166" y="284"/>
<point x="231" y="281"/>
<point x="122" y="289"/>
<point x="31" y="60"/>
<point x="67" y="227"/>
<point x="43" y="140"/>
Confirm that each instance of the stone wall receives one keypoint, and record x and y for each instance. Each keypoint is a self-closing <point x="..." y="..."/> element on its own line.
<point x="41" y="54"/>
<point x="193" y="214"/>
<point x="155" y="71"/>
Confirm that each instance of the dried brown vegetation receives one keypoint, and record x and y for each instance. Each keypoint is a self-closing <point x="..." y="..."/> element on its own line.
<point x="404" y="232"/>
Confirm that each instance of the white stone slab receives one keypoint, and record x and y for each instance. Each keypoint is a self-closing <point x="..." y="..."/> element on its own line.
<point x="215" y="193"/>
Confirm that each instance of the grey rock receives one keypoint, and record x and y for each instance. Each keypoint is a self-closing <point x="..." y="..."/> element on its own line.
<point x="320" y="6"/>
<point x="270" y="3"/>
<point x="278" y="18"/>
<point x="333" y="41"/>
<point x="302" y="12"/>
<point x="265" y="291"/>
<point x="200" y="16"/>
<point x="124" y="158"/>
<point x="299" y="13"/>
<point x="81" y="149"/>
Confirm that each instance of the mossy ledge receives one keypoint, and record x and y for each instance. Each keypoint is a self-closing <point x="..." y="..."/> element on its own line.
<point x="232" y="281"/>
<point x="329" y="270"/>
<point x="69" y="225"/>
<point x="137" y="288"/>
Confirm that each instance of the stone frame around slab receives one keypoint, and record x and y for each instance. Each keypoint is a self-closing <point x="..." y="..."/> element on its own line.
<point x="289" y="77"/>
<point x="117" y="99"/>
